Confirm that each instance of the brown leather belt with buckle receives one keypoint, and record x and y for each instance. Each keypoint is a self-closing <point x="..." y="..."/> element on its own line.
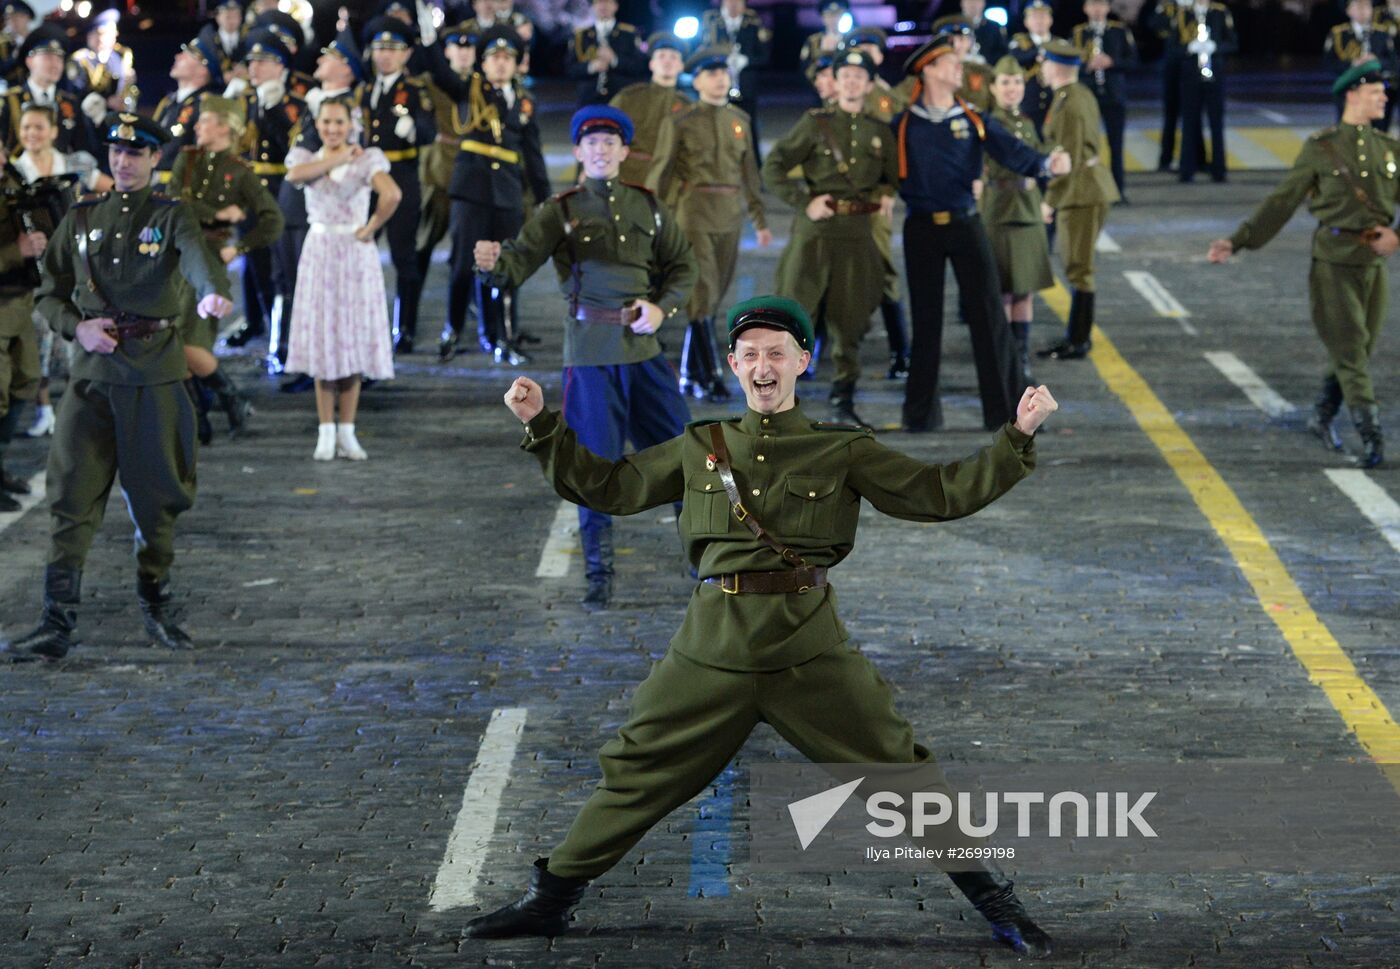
<point x="139" y="327"/>
<point x="852" y="206"/>
<point x="770" y="583"/>
<point x="625" y="316"/>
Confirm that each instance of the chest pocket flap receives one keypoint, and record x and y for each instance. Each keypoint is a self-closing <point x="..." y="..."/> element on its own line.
<point x="809" y="505"/>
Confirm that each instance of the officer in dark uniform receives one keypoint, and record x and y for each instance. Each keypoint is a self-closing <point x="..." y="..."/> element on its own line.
<point x="625" y="267"/>
<point x="761" y="641"/>
<point x="110" y="286"/>
<point x="498" y="159"/>
<point x="19" y="348"/>
<point x="1203" y="34"/>
<point x="272" y="114"/>
<point x="398" y="120"/>
<point x="737" y="29"/>
<point x="1162" y="21"/>
<point x="989" y="41"/>
<point x="196" y="71"/>
<point x="1356" y="41"/>
<point x="105" y="68"/>
<point x="45" y="57"/>
<point x="225" y="33"/>
<point x="832" y="36"/>
<point x="18" y="18"/>
<point x="605" y="56"/>
<point x="1028" y="47"/>
<point x="940" y="141"/>
<point x="1108" y="50"/>
<point x="290" y="33"/>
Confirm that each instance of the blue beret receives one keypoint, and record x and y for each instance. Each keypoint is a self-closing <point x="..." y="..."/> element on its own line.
<point x="200" y="50"/>
<point x="600" y="117"/>
<point x="389" y="32"/>
<point x="138" y="131"/>
<point x="344" y="48"/>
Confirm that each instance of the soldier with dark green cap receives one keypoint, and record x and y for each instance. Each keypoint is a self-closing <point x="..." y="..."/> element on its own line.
<point x="771" y="502"/>
<point x="1348" y="175"/>
<point x="848" y="178"/>
<point x="110" y="286"/>
<point x="653" y="105"/>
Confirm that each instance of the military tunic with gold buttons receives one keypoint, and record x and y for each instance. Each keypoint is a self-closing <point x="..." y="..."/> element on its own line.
<point x="209" y="181"/>
<point x="653" y="109"/>
<point x="1010" y="207"/>
<point x="831" y="259"/>
<point x="741" y="659"/>
<point x="1347" y="281"/>
<point x="713" y="177"/>
<point x="883" y="103"/>
<point x="1081" y="199"/>
<point x="1029" y="52"/>
<point x="125" y="412"/>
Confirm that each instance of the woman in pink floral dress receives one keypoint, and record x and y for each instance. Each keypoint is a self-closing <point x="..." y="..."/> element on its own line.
<point x="340" y="324"/>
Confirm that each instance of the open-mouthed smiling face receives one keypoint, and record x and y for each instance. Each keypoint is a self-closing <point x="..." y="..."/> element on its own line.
<point x="767" y="363"/>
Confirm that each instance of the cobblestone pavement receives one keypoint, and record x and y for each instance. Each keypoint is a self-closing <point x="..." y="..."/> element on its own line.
<point x="284" y="794"/>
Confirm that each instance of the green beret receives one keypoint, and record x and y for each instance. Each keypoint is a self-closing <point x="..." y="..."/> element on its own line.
<point x="1367" y="73"/>
<point x="1008" y="66"/>
<point x="773" y="312"/>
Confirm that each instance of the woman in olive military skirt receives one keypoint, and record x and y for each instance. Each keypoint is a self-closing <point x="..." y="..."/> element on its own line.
<point x="1010" y="207"/>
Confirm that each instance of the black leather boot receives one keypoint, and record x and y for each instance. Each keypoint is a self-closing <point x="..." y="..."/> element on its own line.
<point x="892" y="311"/>
<point x="1368" y="425"/>
<point x="990" y="892"/>
<point x="542" y="910"/>
<point x="1075" y="344"/>
<point x="57" y="632"/>
<point x="154" y="597"/>
<point x="199" y="394"/>
<point x="598" y="567"/>
<point x="1021" y="334"/>
<point x="843" y="409"/>
<point x="233" y="403"/>
<point x="1324" y="413"/>
<point x="715" y="359"/>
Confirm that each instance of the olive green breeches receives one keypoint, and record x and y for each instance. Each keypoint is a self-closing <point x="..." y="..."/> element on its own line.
<point x="716" y="254"/>
<point x="1078" y="228"/>
<point x="1348" y="308"/>
<point x="19" y="352"/>
<point x="144" y="434"/>
<point x="687" y="721"/>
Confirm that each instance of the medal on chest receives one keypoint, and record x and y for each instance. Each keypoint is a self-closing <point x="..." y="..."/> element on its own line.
<point x="959" y="128"/>
<point x="150" y="238"/>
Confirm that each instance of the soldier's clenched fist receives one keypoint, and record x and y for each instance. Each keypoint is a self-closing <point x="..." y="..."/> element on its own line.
<point x="525" y="398"/>
<point x="486" y="254"/>
<point x="1036" y="405"/>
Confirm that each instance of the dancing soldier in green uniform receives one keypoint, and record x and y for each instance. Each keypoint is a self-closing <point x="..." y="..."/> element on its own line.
<point x="1348" y="175"/>
<point x="652" y="106"/>
<point x="761" y="641"/>
<point x="222" y="192"/>
<point x="849" y="176"/>
<point x="110" y="284"/>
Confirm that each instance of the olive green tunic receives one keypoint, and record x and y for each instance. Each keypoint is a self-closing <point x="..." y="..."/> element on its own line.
<point x="125" y="412"/>
<point x="207" y="182"/>
<point x="1010" y="207"/>
<point x="710" y="172"/>
<point x="831" y="259"/>
<point x="652" y="108"/>
<point x="19" y="348"/>
<point x="1347" y="280"/>
<point x="976" y="87"/>
<point x="883" y="103"/>
<point x="435" y="163"/>
<point x="739" y="660"/>
<point x="628" y="247"/>
<point x="1081" y="198"/>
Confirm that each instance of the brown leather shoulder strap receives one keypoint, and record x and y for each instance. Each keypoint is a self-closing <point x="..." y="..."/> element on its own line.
<point x="1362" y="196"/>
<point x="736" y="503"/>
<point x="81" y="221"/>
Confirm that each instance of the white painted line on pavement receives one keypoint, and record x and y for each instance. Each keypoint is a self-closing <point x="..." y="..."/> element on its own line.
<point x="1371" y="498"/>
<point x="26" y="502"/>
<point x="1274" y="116"/>
<point x="1163" y="303"/>
<point x="1106" y="243"/>
<point x="1259" y="393"/>
<point x="558" y="548"/>
<point x="457" y="876"/>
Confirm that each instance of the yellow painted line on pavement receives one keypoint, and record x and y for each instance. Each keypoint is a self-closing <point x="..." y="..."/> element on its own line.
<point x="1322" y="657"/>
<point x="1282" y="142"/>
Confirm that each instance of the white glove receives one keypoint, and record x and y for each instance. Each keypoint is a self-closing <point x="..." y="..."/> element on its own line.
<point x="95" y="107"/>
<point x="270" y="92"/>
<point x="313" y="100"/>
<point x="739" y="62"/>
<point x="236" y="87"/>
<point x="426" y="29"/>
<point x="1198" y="47"/>
<point x="405" y="128"/>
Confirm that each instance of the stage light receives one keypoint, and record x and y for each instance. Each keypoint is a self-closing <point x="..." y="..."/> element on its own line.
<point x="996" y="15"/>
<point x="846" y="22"/>
<point x="687" y="27"/>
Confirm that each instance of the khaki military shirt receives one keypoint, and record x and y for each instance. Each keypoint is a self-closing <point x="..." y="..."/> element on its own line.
<point x="713" y="148"/>
<point x="1318" y="176"/>
<point x="139" y="245"/>
<point x="804" y="481"/>
<point x="1008" y="197"/>
<point x="1072" y="123"/>
<point x="627" y="246"/>
<point x="652" y="109"/>
<point x="849" y="156"/>
<point x="210" y="181"/>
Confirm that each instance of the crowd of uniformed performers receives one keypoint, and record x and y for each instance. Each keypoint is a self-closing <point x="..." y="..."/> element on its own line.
<point x="291" y="159"/>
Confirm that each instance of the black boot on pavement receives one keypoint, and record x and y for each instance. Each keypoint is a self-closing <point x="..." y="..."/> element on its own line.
<point x="1324" y="413"/>
<point x="1368" y="425"/>
<point x="542" y="910"/>
<point x="154" y="597"/>
<point x="990" y="892"/>
<point x="57" y="632"/>
<point x="598" y="567"/>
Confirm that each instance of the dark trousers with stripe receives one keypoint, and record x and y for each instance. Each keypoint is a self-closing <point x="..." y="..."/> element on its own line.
<point x="608" y="406"/>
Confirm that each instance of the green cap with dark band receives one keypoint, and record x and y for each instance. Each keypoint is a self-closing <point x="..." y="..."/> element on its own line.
<point x="773" y="312"/>
<point x="1367" y="73"/>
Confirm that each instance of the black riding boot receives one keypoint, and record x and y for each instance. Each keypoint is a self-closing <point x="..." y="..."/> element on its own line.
<point x="1368" y="425"/>
<point x="598" y="567"/>
<point x="892" y="310"/>
<point x="57" y="631"/>
<point x="1021" y="333"/>
<point x="715" y="385"/>
<point x="1076" y="343"/>
<point x="542" y="910"/>
<point x="154" y="597"/>
<point x="1325" y="408"/>
<point x="199" y="394"/>
<point x="990" y="892"/>
<point x="843" y="409"/>
<point x="233" y="403"/>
